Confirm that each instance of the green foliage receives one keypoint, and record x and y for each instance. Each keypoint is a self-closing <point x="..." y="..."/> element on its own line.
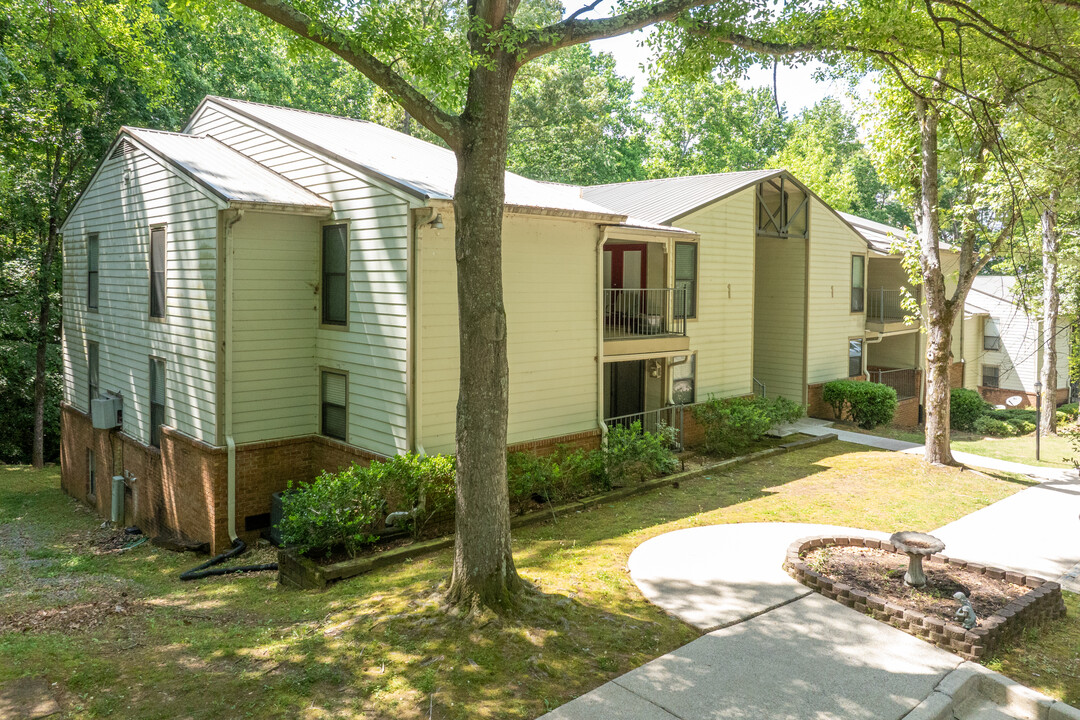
<point x="420" y="484"/>
<point x="1070" y="411"/>
<point x="630" y="449"/>
<point x="560" y="476"/>
<point x="965" y="407"/>
<point x="340" y="509"/>
<point x="732" y="424"/>
<point x="868" y="404"/>
<point x="987" y="425"/>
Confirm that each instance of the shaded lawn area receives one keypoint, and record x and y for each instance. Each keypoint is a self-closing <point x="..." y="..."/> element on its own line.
<point x="1055" y="451"/>
<point x="380" y="646"/>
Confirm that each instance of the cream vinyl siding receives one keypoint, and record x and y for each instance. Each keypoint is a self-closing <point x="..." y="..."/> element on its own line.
<point x="372" y="348"/>
<point x="779" y="316"/>
<point x="549" y="285"/>
<point x="723" y="333"/>
<point x="185" y="338"/>
<point x="972" y="346"/>
<point x="895" y="351"/>
<point x="275" y="379"/>
<point x="831" y="322"/>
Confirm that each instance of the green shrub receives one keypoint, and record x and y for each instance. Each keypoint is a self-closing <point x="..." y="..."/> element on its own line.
<point x="1061" y="418"/>
<point x="965" y="407"/>
<point x="987" y="425"/>
<point x="558" y="477"/>
<point x="1070" y="410"/>
<point x="733" y="424"/>
<point x="335" y="510"/>
<point x="868" y="404"/>
<point x="1022" y="427"/>
<point x="420" y="484"/>
<point x="630" y="449"/>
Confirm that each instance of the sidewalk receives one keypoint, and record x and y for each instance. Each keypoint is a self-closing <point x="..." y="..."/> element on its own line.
<point x="774" y="649"/>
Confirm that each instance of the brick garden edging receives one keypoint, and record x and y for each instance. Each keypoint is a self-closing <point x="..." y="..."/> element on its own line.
<point x="300" y="572"/>
<point x="1040" y="604"/>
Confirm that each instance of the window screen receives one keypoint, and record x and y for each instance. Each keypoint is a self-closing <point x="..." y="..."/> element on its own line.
<point x="335" y="268"/>
<point x="683" y="382"/>
<point x="991" y="376"/>
<point x="92" y="372"/>
<point x="858" y="282"/>
<point x="157" y="272"/>
<point x="92" y="271"/>
<point x="686" y="280"/>
<point x="854" y="357"/>
<point x="335" y="388"/>
<point x="157" y="400"/>
<point x="991" y="338"/>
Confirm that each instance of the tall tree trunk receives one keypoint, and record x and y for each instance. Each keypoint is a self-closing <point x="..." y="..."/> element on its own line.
<point x="484" y="572"/>
<point x="939" y="311"/>
<point x="1050" y="316"/>
<point x="48" y="257"/>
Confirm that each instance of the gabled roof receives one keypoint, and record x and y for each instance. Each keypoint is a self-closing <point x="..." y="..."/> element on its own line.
<point x="226" y="173"/>
<point x="991" y="295"/>
<point x="420" y="168"/>
<point x="667" y="199"/>
<point x="879" y="235"/>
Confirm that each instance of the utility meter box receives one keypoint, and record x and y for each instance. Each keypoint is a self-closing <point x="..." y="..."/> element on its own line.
<point x="108" y="412"/>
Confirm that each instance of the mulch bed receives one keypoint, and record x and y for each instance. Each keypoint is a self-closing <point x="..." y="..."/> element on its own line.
<point x="881" y="573"/>
<point x="71" y="618"/>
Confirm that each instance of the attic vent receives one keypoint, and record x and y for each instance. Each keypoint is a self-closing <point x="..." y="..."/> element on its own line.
<point x="124" y="148"/>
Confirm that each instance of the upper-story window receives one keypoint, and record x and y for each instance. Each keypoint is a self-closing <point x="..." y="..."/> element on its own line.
<point x="157" y="272"/>
<point x="92" y="373"/>
<point x="686" y="267"/>
<point x="157" y="400"/>
<point x="858" y="282"/>
<point x="335" y="274"/>
<point x="92" y="271"/>
<point x="991" y="337"/>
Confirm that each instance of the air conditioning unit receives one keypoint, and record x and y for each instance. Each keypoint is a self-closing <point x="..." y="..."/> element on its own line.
<point x="107" y="412"/>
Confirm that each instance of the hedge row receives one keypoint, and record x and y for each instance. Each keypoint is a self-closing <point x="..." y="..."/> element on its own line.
<point x="867" y="404"/>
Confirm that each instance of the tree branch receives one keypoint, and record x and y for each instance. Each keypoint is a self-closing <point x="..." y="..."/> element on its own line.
<point x="574" y="31"/>
<point x="443" y="124"/>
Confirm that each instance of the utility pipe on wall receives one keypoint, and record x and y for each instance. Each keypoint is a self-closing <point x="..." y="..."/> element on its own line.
<point x="600" y="334"/>
<point x="230" y="256"/>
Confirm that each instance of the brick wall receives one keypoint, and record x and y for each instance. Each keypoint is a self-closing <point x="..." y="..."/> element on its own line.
<point x="956" y="375"/>
<point x="588" y="440"/>
<point x="907" y="413"/>
<point x="998" y="396"/>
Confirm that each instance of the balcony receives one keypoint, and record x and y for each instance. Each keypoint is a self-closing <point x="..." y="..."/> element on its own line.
<point x="885" y="311"/>
<point x="905" y="381"/>
<point x="644" y="320"/>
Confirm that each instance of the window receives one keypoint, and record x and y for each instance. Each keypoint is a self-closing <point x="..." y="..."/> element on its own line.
<point x="682" y="381"/>
<point x="854" y="358"/>
<point x="91" y="473"/>
<point x="157" y="272"/>
<point x="335" y="270"/>
<point x="686" y="279"/>
<point x="92" y="377"/>
<point x="858" y="282"/>
<point x="92" y="271"/>
<point x="157" y="400"/>
<point x="991" y="376"/>
<point x="334" y="399"/>
<point x="991" y="338"/>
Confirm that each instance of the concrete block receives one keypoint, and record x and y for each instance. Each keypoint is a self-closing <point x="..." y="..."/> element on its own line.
<point x="938" y="706"/>
<point x="962" y="682"/>
<point x="1061" y="711"/>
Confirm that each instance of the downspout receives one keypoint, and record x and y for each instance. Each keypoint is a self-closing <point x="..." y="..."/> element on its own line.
<point x="230" y="255"/>
<point x="600" y="335"/>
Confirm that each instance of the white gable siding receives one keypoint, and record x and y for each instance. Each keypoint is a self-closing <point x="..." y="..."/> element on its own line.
<point x="831" y="322"/>
<point x="373" y="348"/>
<point x="723" y="333"/>
<point x="126" y="335"/>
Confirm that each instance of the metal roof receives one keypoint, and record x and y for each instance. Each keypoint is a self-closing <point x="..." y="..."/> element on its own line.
<point x="666" y="199"/>
<point x="414" y="165"/>
<point x="230" y="175"/>
<point x="879" y="235"/>
<point x="992" y="295"/>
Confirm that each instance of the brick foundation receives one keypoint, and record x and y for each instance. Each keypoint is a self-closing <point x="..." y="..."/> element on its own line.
<point x="956" y="375"/>
<point x="998" y="396"/>
<point x="1041" y="604"/>
<point x="907" y="413"/>
<point x="181" y="489"/>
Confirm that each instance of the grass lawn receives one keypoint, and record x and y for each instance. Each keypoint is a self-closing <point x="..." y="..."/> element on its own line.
<point x="380" y="646"/>
<point x="1054" y="451"/>
<point x="1049" y="658"/>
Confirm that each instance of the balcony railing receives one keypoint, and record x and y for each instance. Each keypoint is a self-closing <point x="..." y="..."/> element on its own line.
<point x="884" y="306"/>
<point x="905" y="381"/>
<point x="646" y="312"/>
<point x="654" y="420"/>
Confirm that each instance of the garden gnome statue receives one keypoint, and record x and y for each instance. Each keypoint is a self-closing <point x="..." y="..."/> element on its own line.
<point x="965" y="614"/>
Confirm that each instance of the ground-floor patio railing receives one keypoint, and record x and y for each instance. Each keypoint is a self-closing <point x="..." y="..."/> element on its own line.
<point x="671" y="416"/>
<point x="905" y="381"/>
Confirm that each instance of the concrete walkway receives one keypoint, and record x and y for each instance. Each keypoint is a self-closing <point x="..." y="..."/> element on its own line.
<point x="774" y="649"/>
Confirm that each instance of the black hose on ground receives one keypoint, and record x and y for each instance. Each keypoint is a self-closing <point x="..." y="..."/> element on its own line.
<point x="239" y="546"/>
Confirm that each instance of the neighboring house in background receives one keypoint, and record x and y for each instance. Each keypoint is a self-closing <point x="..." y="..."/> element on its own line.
<point x="1002" y="343"/>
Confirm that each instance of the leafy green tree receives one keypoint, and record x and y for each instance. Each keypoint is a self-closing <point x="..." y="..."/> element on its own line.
<point x="706" y="126"/>
<point x="573" y="120"/>
<point x="824" y="151"/>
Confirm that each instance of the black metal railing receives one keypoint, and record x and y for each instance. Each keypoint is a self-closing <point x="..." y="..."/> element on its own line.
<point x="655" y="421"/>
<point x="644" y="312"/>
<point x="905" y="381"/>
<point x="885" y="306"/>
